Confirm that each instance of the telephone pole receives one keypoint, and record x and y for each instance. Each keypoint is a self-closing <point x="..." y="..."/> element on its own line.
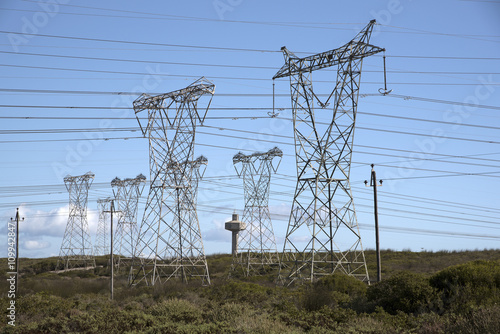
<point x="373" y="183"/>
<point x="111" y="210"/>
<point x="17" y="219"/>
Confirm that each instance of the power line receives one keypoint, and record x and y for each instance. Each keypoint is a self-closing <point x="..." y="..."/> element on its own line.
<point x="225" y="77"/>
<point x="135" y="129"/>
<point x="214" y="65"/>
<point x="212" y="108"/>
<point x="138" y="60"/>
<point x="140" y="43"/>
<point x="221" y="48"/>
<point x="85" y="92"/>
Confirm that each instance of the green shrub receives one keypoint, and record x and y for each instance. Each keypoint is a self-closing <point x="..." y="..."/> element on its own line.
<point x="240" y="292"/>
<point x="482" y="320"/>
<point x="177" y="310"/>
<point x="405" y="291"/>
<point x="343" y="283"/>
<point x="333" y="290"/>
<point x="469" y="284"/>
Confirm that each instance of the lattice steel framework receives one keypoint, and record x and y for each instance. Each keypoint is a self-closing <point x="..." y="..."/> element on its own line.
<point x="323" y="206"/>
<point x="170" y="243"/>
<point x="101" y="246"/>
<point x="127" y="193"/>
<point x="196" y="169"/>
<point x="257" y="250"/>
<point x="76" y="246"/>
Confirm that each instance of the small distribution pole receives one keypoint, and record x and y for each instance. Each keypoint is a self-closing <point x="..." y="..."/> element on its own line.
<point x="112" y="208"/>
<point x="111" y="211"/>
<point x="17" y="247"/>
<point x="373" y="183"/>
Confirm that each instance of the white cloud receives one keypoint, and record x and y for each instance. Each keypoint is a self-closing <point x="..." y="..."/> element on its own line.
<point x="217" y="232"/>
<point x="34" y="244"/>
<point x="40" y="223"/>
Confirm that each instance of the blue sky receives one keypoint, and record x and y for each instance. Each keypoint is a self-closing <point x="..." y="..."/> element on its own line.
<point x="434" y="140"/>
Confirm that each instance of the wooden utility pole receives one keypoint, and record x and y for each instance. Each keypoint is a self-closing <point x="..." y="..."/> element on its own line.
<point x="373" y="183"/>
<point x="111" y="284"/>
<point x="111" y="248"/>
<point x="17" y="247"/>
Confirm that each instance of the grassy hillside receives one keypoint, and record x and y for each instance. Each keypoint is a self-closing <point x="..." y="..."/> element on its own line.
<point x="425" y="292"/>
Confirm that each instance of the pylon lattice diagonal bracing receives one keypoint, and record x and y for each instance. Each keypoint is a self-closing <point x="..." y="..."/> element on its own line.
<point x="322" y="207"/>
<point x="257" y="250"/>
<point x="127" y="193"/>
<point x="101" y="246"/>
<point x="170" y="243"/>
<point x="76" y="246"/>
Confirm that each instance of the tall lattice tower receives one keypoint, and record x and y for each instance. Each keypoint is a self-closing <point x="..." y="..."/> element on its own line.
<point x="170" y="212"/>
<point x="257" y="250"/>
<point x="76" y="247"/>
<point x="101" y="246"/>
<point x="188" y="212"/>
<point x="127" y="193"/>
<point x="323" y="206"/>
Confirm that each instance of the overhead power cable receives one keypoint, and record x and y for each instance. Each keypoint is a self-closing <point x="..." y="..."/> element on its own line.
<point x="212" y="108"/>
<point x="220" y="48"/>
<point x="86" y="92"/>
<point x="140" y="43"/>
<point x="224" y="77"/>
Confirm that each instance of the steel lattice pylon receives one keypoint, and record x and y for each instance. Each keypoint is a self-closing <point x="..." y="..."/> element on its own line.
<point x="76" y="246"/>
<point x="127" y="193"/>
<point x="188" y="212"/>
<point x="170" y="243"/>
<point x="323" y="206"/>
<point x="101" y="246"/>
<point x="256" y="246"/>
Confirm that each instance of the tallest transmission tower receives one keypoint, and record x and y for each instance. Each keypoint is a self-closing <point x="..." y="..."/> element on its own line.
<point x="323" y="204"/>
<point x="170" y="243"/>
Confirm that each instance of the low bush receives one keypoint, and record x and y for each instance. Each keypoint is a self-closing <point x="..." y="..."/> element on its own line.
<point x="240" y="292"/>
<point x="405" y="291"/>
<point x="333" y="290"/>
<point x="467" y="285"/>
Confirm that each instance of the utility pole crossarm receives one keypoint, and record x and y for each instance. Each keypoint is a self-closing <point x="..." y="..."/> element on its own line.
<point x="353" y="50"/>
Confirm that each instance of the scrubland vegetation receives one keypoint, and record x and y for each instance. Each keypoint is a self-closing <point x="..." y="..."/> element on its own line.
<point x="425" y="292"/>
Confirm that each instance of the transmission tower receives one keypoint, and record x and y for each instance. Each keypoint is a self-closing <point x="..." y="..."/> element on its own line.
<point x="101" y="241"/>
<point x="323" y="206"/>
<point x="188" y="212"/>
<point x="76" y="247"/>
<point x="257" y="245"/>
<point x="170" y="243"/>
<point x="127" y="193"/>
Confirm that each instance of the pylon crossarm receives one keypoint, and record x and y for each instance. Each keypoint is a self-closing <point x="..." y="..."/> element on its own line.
<point x="163" y="102"/>
<point x="357" y="48"/>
